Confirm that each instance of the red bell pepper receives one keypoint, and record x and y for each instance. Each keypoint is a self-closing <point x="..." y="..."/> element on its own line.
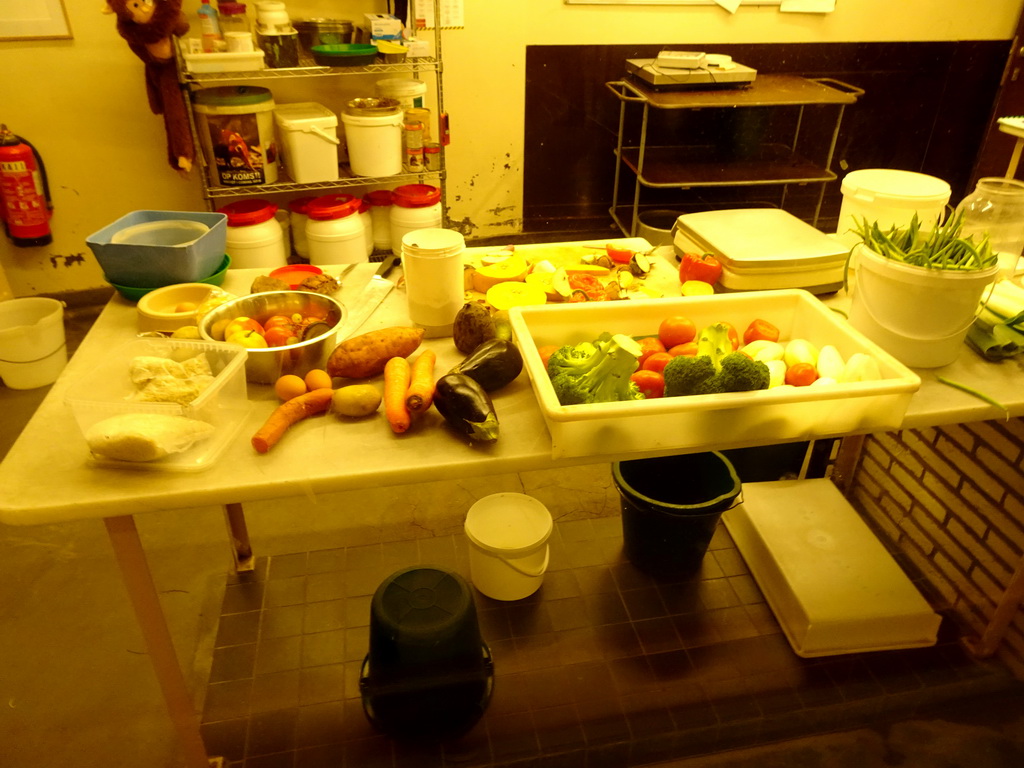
<point x="700" y="266"/>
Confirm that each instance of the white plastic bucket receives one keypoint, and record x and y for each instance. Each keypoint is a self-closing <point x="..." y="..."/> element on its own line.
<point x="33" y="351"/>
<point x="434" y="277"/>
<point x="374" y="142"/>
<point x="336" y="241"/>
<point x="255" y="237"/>
<point x="309" y="137"/>
<point x="918" y="315"/>
<point x="408" y="92"/>
<point x="508" y="555"/>
<point x="236" y="130"/>
<point x="891" y="198"/>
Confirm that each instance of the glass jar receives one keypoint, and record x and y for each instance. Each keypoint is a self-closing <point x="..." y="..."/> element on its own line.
<point x="996" y="208"/>
<point x="233" y="18"/>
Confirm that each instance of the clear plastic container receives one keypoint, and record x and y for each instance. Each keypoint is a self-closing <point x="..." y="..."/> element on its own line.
<point x="233" y="17"/>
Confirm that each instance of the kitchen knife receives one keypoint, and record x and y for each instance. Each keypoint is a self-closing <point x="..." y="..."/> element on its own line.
<point x="370" y="297"/>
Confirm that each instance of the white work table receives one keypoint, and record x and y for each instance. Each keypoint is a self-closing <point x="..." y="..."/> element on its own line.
<point x="47" y="477"/>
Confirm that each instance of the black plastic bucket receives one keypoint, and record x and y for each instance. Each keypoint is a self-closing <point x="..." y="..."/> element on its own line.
<point x="671" y="507"/>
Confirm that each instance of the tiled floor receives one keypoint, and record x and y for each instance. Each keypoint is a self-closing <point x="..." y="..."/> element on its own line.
<point x="604" y="666"/>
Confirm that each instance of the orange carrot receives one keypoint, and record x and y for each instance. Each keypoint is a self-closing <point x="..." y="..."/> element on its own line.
<point x="421" y="382"/>
<point x="396" y="385"/>
<point x="288" y="413"/>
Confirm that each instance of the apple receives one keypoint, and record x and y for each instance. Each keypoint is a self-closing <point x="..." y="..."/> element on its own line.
<point x="242" y="324"/>
<point x="247" y="338"/>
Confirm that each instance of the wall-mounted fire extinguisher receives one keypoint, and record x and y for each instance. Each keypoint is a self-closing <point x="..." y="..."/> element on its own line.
<point x="25" y="205"/>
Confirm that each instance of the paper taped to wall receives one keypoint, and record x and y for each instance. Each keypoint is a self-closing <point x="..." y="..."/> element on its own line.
<point x="452" y="15"/>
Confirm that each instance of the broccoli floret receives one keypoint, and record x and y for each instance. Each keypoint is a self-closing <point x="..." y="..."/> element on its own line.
<point x="688" y="375"/>
<point x="716" y="368"/>
<point x="599" y="377"/>
<point x="739" y="373"/>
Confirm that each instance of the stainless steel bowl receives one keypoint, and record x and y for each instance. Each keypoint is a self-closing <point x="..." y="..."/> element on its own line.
<point x="265" y="366"/>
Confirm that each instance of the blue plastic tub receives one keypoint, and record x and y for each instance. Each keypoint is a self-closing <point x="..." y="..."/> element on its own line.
<point x="143" y="262"/>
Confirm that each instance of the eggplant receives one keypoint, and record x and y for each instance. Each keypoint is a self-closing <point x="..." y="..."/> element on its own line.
<point x="493" y="364"/>
<point x="467" y="407"/>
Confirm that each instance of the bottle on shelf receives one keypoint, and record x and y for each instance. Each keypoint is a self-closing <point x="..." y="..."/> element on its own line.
<point x="210" y="26"/>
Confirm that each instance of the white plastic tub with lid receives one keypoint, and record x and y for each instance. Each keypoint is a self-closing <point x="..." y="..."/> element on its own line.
<point x="891" y="198"/>
<point x="309" y="139"/>
<point x="255" y="238"/>
<point x="373" y="134"/>
<point x="413" y="206"/>
<point x="334" y="230"/>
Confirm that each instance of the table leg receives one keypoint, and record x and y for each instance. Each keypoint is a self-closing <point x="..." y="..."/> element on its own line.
<point x="138" y="580"/>
<point x="241" y="548"/>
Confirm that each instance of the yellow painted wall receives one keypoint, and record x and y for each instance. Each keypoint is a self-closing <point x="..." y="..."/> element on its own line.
<point x="82" y="102"/>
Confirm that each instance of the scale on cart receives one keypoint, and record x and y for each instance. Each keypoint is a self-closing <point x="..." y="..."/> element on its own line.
<point x="717" y="71"/>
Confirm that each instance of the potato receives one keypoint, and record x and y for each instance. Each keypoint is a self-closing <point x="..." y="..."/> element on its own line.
<point x="366" y="355"/>
<point x="356" y="400"/>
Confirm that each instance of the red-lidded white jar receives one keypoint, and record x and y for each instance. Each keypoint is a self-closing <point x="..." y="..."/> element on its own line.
<point x="380" y="213"/>
<point x="414" y="206"/>
<point x="255" y="239"/>
<point x="334" y="230"/>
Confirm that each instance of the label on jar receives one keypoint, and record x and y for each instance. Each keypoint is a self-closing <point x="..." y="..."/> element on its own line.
<point x="414" y="160"/>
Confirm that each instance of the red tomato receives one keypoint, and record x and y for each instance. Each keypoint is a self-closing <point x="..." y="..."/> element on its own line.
<point x="801" y="374"/>
<point x="676" y="330"/>
<point x="689" y="349"/>
<point x="648" y="346"/>
<point x="657" y="362"/>
<point x="278" y="320"/>
<point x="700" y="266"/>
<point x="760" y="330"/>
<point x="546" y="351"/>
<point x="734" y="337"/>
<point x="280" y="336"/>
<point x="651" y="383"/>
<point x="618" y="255"/>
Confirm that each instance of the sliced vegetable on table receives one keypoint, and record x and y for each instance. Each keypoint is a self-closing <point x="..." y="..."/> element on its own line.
<point x="700" y="266"/>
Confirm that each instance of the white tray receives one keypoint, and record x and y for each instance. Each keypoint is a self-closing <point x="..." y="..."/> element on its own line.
<point x="725" y="420"/>
<point x="832" y="585"/>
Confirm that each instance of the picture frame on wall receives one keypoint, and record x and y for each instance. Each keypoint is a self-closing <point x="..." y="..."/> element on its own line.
<point x="34" y="20"/>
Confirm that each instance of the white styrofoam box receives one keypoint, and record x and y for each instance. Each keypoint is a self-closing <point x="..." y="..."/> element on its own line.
<point x="725" y="420"/>
<point x="830" y="582"/>
<point x="309" y="137"/>
<point x="764" y="248"/>
<point x="104" y="391"/>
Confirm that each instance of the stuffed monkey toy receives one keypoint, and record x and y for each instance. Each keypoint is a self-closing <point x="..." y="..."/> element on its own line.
<point x="148" y="26"/>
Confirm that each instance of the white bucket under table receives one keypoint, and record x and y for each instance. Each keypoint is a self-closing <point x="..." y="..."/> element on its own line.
<point x="508" y="555"/>
<point x="33" y="351"/>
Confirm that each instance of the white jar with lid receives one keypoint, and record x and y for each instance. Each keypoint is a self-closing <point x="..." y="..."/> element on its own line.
<point x="373" y="135"/>
<point x="297" y="214"/>
<point x="380" y="213"/>
<point x="334" y="230"/>
<point x="413" y="206"/>
<point x="364" y="214"/>
<point x="255" y="239"/>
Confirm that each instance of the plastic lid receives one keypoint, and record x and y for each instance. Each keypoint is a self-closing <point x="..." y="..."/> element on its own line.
<point x="332" y="207"/>
<point x="379" y="197"/>
<point x="895" y="186"/>
<point x="300" y="205"/>
<point x="245" y="213"/>
<point x="231" y="9"/>
<point x="233" y="95"/>
<point x="508" y="523"/>
<point x="416" y="195"/>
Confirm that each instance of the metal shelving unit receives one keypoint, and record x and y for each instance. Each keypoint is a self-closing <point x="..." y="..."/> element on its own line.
<point x="192" y="81"/>
<point x="683" y="167"/>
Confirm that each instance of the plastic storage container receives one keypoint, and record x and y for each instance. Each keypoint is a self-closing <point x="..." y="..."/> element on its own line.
<point x="298" y="215"/>
<point x="105" y="391"/>
<point x="832" y="585"/>
<point x="255" y="239"/>
<point x="33" y="351"/>
<point x="667" y="525"/>
<point x="407" y="91"/>
<point x="764" y="248"/>
<point x="236" y="130"/>
<point x="891" y="198"/>
<point x="309" y="139"/>
<point x="428" y="672"/>
<point x="413" y="206"/>
<point x="434" y="278"/>
<point x="373" y="135"/>
<point x="151" y="264"/>
<point x="380" y="212"/>
<point x="334" y="230"/>
<point x="726" y="420"/>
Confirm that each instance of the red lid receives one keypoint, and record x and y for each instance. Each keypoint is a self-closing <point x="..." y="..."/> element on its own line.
<point x="293" y="274"/>
<point x="364" y="207"/>
<point x="300" y="205"/>
<point x="332" y="207"/>
<point x="231" y="9"/>
<point x="379" y="197"/>
<point x="416" y="195"/>
<point x="245" y="213"/>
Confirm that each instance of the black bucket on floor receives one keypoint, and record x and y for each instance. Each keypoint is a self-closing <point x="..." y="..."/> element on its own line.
<point x="428" y="673"/>
<point x="671" y="507"/>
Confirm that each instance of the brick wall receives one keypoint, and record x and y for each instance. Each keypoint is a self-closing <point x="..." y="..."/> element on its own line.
<point x="949" y="502"/>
